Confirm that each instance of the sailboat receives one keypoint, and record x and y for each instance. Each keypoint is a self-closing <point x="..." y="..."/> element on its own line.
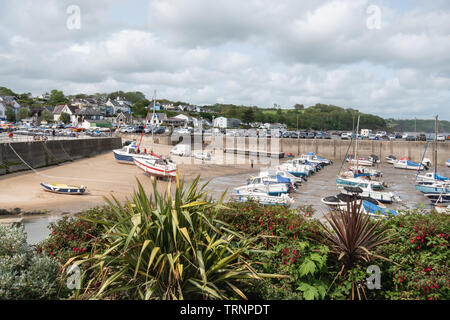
<point x="357" y="178"/>
<point x="432" y="183"/>
<point x="155" y="165"/>
<point x="128" y="153"/>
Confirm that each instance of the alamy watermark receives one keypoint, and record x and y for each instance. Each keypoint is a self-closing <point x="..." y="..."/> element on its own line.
<point x="374" y="20"/>
<point x="74" y="20"/>
<point x="74" y="277"/>
<point x="374" y="281"/>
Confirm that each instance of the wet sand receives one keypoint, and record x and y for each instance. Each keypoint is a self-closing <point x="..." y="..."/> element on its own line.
<point x="104" y="177"/>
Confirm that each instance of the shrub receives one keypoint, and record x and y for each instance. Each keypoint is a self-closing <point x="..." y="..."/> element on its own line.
<point x="293" y="249"/>
<point x="164" y="247"/>
<point x="72" y="236"/>
<point x="24" y="274"/>
<point x="421" y="254"/>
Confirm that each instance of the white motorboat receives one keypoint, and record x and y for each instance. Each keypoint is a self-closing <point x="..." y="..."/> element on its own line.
<point x="295" y="170"/>
<point x="369" y="192"/>
<point x="359" y="161"/>
<point x="156" y="167"/>
<point x="431" y="177"/>
<point x="258" y="185"/>
<point x="371" y="172"/>
<point x="294" y="180"/>
<point x="263" y="198"/>
<point x="311" y="157"/>
<point x="351" y="179"/>
<point x="409" y="165"/>
<point x="391" y="159"/>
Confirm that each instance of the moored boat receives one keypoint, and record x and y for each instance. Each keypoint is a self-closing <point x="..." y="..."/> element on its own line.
<point x="409" y="165"/>
<point x="264" y="198"/>
<point x="63" y="188"/>
<point x="128" y="153"/>
<point x="156" y="167"/>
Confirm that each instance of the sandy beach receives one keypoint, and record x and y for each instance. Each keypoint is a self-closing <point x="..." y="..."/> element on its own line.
<point x="104" y="177"/>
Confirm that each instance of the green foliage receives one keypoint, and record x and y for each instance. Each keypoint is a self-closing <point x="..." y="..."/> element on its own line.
<point x="57" y="97"/>
<point x="10" y="115"/>
<point x="421" y="255"/>
<point x="317" y="117"/>
<point x="47" y="115"/>
<point x="140" y="108"/>
<point x="292" y="250"/>
<point x="24" y="274"/>
<point x="7" y="92"/>
<point x="23" y="113"/>
<point x="167" y="248"/>
<point x="64" y="117"/>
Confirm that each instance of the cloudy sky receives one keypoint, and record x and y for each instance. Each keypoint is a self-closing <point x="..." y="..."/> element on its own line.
<point x="390" y="58"/>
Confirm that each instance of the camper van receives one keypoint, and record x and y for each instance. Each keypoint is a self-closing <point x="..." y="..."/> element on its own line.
<point x="182" y="150"/>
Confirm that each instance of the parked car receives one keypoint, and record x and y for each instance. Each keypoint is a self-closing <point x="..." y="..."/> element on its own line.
<point x="421" y="137"/>
<point x="326" y="135"/>
<point x="319" y="135"/>
<point x="303" y="135"/>
<point x="410" y="138"/>
<point x="310" y="135"/>
<point x="294" y="135"/>
<point x="372" y="136"/>
<point x="345" y="136"/>
<point x="441" y="137"/>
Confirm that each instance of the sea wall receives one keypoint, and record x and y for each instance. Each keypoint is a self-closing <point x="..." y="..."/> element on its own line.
<point x="39" y="154"/>
<point x="335" y="149"/>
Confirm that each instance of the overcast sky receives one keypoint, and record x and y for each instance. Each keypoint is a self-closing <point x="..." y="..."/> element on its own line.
<point x="390" y="58"/>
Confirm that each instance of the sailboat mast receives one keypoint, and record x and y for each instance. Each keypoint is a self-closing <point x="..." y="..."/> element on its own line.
<point x="145" y="124"/>
<point x="154" y="109"/>
<point x="435" y="145"/>
<point x="356" y="149"/>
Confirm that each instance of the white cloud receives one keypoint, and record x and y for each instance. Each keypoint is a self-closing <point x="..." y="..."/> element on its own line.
<point x="256" y="52"/>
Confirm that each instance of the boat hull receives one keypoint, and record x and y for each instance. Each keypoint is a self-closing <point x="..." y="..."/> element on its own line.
<point x="63" y="189"/>
<point x="154" y="170"/>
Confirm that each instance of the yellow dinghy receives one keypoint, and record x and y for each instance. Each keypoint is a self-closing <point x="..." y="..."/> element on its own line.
<point x="63" y="188"/>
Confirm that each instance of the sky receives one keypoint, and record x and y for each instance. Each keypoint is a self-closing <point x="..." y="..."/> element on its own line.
<point x="389" y="58"/>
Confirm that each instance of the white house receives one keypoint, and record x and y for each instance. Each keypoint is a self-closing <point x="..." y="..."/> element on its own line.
<point x="226" y="123"/>
<point x="2" y="111"/>
<point x="119" y="105"/>
<point x="158" y="119"/>
<point x="66" y="109"/>
<point x="220" y="122"/>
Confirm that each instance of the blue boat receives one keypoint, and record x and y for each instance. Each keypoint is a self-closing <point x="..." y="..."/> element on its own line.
<point x="435" y="188"/>
<point x="373" y="209"/>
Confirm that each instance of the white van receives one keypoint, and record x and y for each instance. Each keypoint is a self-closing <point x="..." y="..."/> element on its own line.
<point x="182" y="150"/>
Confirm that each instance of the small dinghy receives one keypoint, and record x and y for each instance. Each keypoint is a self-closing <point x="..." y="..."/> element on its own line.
<point x="63" y="188"/>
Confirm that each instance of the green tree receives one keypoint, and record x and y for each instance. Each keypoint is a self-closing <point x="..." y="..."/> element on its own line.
<point x="47" y="115"/>
<point x="64" y="117"/>
<point x="248" y="115"/>
<point x="10" y="115"/>
<point x="57" y="97"/>
<point x="299" y="107"/>
<point x="23" y="113"/>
